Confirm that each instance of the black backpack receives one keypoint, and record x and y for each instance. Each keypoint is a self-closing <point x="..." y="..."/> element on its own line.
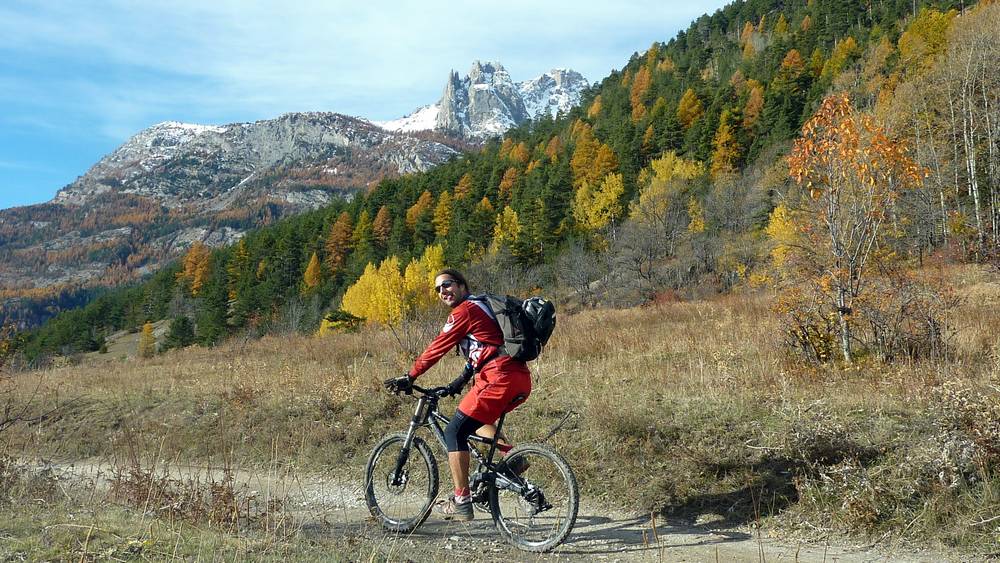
<point x="526" y="324"/>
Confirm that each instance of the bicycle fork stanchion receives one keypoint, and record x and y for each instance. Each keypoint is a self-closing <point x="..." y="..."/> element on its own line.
<point x="404" y="452"/>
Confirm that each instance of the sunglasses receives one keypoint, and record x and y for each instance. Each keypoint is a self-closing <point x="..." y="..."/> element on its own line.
<point x="444" y="285"/>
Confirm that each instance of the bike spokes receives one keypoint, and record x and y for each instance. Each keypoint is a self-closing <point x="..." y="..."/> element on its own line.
<point x="536" y="509"/>
<point x="400" y="488"/>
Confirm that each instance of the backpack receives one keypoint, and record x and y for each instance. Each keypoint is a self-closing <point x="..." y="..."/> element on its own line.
<point x="526" y="324"/>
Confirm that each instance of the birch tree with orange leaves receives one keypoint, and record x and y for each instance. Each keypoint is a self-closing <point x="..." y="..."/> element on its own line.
<point x="852" y="170"/>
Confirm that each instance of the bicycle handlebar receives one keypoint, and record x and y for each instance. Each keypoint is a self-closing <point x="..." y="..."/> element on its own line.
<point x="438" y="392"/>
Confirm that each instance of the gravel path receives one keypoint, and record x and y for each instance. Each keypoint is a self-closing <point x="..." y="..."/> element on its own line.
<point x="327" y="508"/>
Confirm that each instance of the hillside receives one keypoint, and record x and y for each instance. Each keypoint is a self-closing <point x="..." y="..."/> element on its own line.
<point x="663" y="179"/>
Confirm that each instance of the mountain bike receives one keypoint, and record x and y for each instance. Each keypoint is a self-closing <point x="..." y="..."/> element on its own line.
<point x="531" y="493"/>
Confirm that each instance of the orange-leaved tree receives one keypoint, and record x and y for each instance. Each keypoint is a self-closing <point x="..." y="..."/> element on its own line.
<point x="196" y="267"/>
<point x="852" y="170"/>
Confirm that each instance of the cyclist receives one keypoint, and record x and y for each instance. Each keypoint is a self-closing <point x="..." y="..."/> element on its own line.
<point x="502" y="383"/>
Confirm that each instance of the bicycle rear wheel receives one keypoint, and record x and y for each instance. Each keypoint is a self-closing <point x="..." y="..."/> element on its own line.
<point x="537" y="509"/>
<point x="403" y="506"/>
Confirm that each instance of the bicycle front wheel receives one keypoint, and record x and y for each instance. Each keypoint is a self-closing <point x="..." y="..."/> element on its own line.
<point x="401" y="502"/>
<point x="535" y="506"/>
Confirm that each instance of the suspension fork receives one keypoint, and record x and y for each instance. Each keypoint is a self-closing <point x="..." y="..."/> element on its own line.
<point x="419" y="417"/>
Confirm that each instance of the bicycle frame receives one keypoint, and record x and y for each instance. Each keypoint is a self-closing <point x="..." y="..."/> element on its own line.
<point x="427" y="414"/>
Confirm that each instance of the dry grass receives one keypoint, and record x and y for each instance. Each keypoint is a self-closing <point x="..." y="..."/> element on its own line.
<point x="689" y="408"/>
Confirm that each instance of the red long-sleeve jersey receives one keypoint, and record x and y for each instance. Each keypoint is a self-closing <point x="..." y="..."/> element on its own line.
<point x="470" y="327"/>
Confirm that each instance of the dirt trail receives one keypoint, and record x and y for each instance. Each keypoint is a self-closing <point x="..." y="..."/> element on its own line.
<point x="327" y="507"/>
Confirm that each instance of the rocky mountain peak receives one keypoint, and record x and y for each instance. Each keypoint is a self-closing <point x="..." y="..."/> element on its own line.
<point x="487" y="102"/>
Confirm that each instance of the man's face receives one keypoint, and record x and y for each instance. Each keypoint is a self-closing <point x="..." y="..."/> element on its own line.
<point x="449" y="290"/>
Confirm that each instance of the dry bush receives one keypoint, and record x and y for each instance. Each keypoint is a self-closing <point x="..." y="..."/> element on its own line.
<point x="216" y="501"/>
<point x="968" y="416"/>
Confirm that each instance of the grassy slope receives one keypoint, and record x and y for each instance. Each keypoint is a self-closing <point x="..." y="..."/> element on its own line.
<point x="690" y="408"/>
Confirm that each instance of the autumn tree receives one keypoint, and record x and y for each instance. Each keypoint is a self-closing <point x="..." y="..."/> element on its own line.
<point x="726" y="145"/>
<point x="377" y="296"/>
<point x="689" y="109"/>
<point x="313" y="274"/>
<point x="852" y="171"/>
<point x="662" y="203"/>
<point x="754" y="105"/>
<point x="520" y="153"/>
<point x="506" y="230"/>
<point x="237" y="268"/>
<point x="442" y="215"/>
<point x="508" y="182"/>
<point x="147" y="342"/>
<point x="592" y="160"/>
<point x="382" y="226"/>
<point x="419" y="209"/>
<point x="464" y="187"/>
<point x="195" y="267"/>
<point x="339" y="242"/>
<point x="418" y="280"/>
<point x="639" y="91"/>
<point x="596" y="208"/>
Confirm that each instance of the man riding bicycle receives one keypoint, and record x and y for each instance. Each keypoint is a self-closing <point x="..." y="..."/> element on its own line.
<point x="502" y="383"/>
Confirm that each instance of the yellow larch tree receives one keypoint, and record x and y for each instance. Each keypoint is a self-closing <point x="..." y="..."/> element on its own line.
<point x="196" y="267"/>
<point x="553" y="148"/>
<point x="595" y="209"/>
<point x="378" y="295"/>
<point x="147" y="342"/>
<point x="842" y="53"/>
<point x="781" y="27"/>
<point x="689" y="109"/>
<point x="506" y="230"/>
<point x="696" y="216"/>
<point x="520" y="153"/>
<point x="507" y="183"/>
<point x="592" y="159"/>
<point x="382" y="226"/>
<point x="505" y="147"/>
<point x="755" y="103"/>
<point x="442" y="215"/>
<point x="418" y="279"/>
<point x="313" y="274"/>
<point x="595" y="107"/>
<point x="338" y="242"/>
<point x="639" y="92"/>
<point x="236" y="268"/>
<point x="726" y="147"/>
<point x="418" y="210"/>
<point x="464" y="187"/>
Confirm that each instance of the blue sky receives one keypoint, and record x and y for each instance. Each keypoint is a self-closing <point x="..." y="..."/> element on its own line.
<point x="79" y="78"/>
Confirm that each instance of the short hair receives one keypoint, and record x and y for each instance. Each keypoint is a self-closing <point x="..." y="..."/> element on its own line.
<point x="455" y="275"/>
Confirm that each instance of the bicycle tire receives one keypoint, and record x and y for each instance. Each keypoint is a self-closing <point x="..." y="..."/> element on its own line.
<point x="520" y="522"/>
<point x="415" y="507"/>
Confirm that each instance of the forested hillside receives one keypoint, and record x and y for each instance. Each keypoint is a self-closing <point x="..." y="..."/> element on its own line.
<point x="671" y="174"/>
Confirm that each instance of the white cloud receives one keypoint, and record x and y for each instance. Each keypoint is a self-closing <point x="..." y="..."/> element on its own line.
<point x="379" y="59"/>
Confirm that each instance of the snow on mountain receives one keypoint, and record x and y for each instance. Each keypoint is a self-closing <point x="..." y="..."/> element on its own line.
<point x="555" y="91"/>
<point x="487" y="102"/>
<point x="421" y="120"/>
